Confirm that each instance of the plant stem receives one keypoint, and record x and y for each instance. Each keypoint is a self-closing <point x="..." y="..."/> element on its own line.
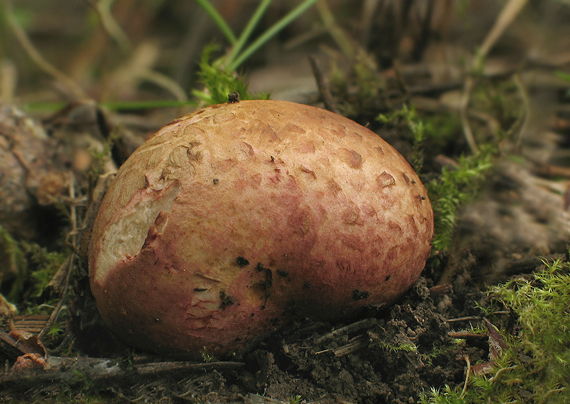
<point x="218" y="19"/>
<point x="282" y="23"/>
<point x="33" y="53"/>
<point x="247" y="32"/>
<point x="334" y="29"/>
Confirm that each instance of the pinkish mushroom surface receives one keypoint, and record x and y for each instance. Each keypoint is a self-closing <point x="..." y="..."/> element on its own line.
<point x="238" y="218"/>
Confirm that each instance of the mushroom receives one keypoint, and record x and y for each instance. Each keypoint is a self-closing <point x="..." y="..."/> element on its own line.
<point x="241" y="217"/>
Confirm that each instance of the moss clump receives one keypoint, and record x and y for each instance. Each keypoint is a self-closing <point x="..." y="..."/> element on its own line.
<point x="454" y="186"/>
<point x="535" y="368"/>
<point x="14" y="266"/>
<point x="219" y="83"/>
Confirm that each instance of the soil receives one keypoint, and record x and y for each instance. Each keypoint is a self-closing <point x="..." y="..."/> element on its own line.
<point x="385" y="355"/>
<point x="320" y="362"/>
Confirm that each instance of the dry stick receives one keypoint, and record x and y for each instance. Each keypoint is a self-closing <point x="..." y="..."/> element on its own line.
<point x="38" y="59"/>
<point x="73" y="207"/>
<point x="464" y="105"/>
<point x="366" y="323"/>
<point x="322" y="84"/>
<point x="468" y="318"/>
<point x="55" y="313"/>
<point x="8" y="80"/>
<point x="103" y="8"/>
<point x="468" y="371"/>
<point x="164" y="82"/>
<point x="368" y="11"/>
<point x="508" y="14"/>
<point x="106" y="370"/>
<point x="338" y="34"/>
<point x="526" y="104"/>
<point x="67" y="268"/>
<point x="423" y="41"/>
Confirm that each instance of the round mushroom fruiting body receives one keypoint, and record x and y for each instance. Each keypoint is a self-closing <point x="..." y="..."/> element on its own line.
<point x="240" y="217"/>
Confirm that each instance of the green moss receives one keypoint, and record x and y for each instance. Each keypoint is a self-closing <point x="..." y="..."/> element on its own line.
<point x="14" y="266"/>
<point x="535" y="368"/>
<point x="454" y="188"/>
<point x="208" y="357"/>
<point x="295" y="399"/>
<point x="45" y="265"/>
<point x="416" y="127"/>
<point x="395" y="348"/>
<point x="219" y="83"/>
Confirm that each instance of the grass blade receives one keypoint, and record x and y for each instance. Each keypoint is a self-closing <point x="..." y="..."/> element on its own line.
<point x="267" y="35"/>
<point x="218" y="19"/>
<point x="253" y="21"/>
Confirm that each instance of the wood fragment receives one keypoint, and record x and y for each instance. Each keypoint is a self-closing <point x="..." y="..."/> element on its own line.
<point x="353" y="345"/>
<point x="69" y="262"/>
<point x="467" y="374"/>
<point x="497" y="344"/>
<point x="61" y="369"/>
<point x="30" y="323"/>
<point x="439" y="290"/>
<point x="466" y="335"/>
<point x="323" y="86"/>
<point x="359" y="325"/>
<point x="9" y="347"/>
<point x="507" y="16"/>
<point x="468" y="318"/>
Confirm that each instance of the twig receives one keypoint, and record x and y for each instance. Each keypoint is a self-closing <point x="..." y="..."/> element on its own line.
<point x="526" y="104"/>
<point x="359" y="325"/>
<point x="8" y="80"/>
<point x="63" y="295"/>
<point x="507" y="16"/>
<point x="9" y="347"/>
<point x="110" y="25"/>
<point x="425" y="35"/>
<point x="368" y="10"/>
<point x="468" y="318"/>
<point x="466" y="335"/>
<point x="464" y="106"/>
<point x="468" y="372"/>
<point x="553" y="391"/>
<point x="500" y="371"/>
<point x="164" y="82"/>
<point x="38" y="59"/>
<point x="340" y="37"/>
<point x="60" y="282"/>
<point x="323" y="86"/>
<point x="106" y="370"/>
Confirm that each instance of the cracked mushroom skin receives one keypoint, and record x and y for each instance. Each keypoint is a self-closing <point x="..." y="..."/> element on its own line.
<point x="240" y="217"/>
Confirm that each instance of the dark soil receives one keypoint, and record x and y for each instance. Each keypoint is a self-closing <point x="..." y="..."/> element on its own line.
<point x="387" y="354"/>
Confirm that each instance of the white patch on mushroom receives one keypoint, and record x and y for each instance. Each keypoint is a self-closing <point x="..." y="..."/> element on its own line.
<point x="125" y="238"/>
